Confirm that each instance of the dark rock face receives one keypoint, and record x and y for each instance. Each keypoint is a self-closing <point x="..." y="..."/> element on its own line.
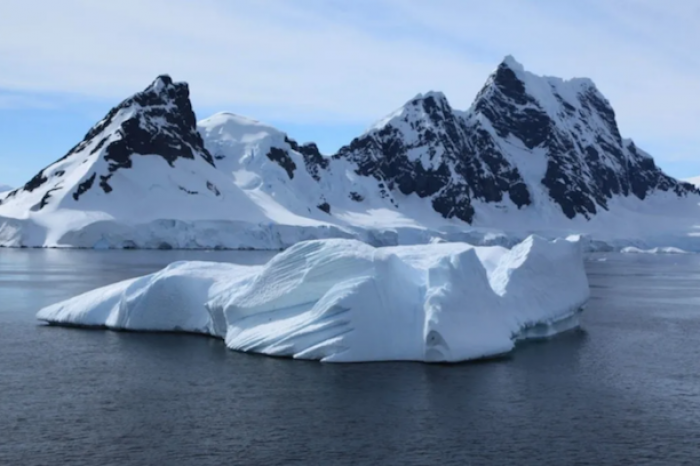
<point x="37" y="181"/>
<point x="455" y="158"/>
<point x="282" y="158"/>
<point x="313" y="160"/>
<point x="183" y="189"/>
<point x="510" y="109"/>
<point x="645" y="176"/>
<point x="84" y="186"/>
<point x="357" y="197"/>
<point x="163" y="124"/>
<point x="9" y="195"/>
<point x="44" y="200"/>
<point x="587" y="161"/>
<point x="211" y="187"/>
<point x="456" y="162"/>
<point x="166" y="127"/>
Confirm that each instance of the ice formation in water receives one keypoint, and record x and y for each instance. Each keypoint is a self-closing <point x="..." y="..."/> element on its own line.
<point x="343" y="301"/>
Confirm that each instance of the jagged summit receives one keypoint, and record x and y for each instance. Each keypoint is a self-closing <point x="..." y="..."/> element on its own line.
<point x="428" y="149"/>
<point x="523" y="132"/>
<point x="587" y="161"/>
<point x="436" y="95"/>
<point x="509" y="61"/>
<point x="541" y="150"/>
<point x="152" y="131"/>
<point x="422" y="104"/>
<point x="162" y="81"/>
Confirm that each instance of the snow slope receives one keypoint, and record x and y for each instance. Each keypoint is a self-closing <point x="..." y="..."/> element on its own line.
<point x="143" y="178"/>
<point x="542" y="145"/>
<point x="345" y="301"/>
<point x="533" y="154"/>
<point x="272" y="168"/>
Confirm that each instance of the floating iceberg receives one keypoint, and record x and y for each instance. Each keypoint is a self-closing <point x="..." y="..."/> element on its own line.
<point x="658" y="250"/>
<point x="342" y="300"/>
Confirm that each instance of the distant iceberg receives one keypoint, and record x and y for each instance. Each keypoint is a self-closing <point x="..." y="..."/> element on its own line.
<point x="657" y="250"/>
<point x="342" y="300"/>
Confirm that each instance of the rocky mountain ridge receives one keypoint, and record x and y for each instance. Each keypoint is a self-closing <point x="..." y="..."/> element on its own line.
<point x="527" y="145"/>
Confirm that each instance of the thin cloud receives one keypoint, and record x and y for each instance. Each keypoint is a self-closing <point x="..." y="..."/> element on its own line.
<point x="10" y="101"/>
<point x="337" y="62"/>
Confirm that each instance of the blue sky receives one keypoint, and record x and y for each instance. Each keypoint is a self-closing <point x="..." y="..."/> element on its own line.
<point x="324" y="70"/>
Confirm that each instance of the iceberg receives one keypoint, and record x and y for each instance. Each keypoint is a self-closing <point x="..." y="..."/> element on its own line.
<point x="657" y="250"/>
<point x="342" y="300"/>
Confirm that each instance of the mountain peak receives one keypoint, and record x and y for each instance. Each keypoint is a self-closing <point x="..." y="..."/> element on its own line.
<point x="230" y="119"/>
<point x="510" y="62"/>
<point x="161" y="83"/>
<point x="510" y="69"/>
<point x="528" y="142"/>
<point x="157" y="122"/>
<point x="436" y="95"/>
<point x="518" y="91"/>
<point x="231" y="136"/>
<point x="165" y="87"/>
<point x="432" y="105"/>
<point x="163" y="91"/>
<point x="165" y="79"/>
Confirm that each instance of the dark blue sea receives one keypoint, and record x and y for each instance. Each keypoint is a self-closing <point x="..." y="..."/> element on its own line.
<point x="624" y="390"/>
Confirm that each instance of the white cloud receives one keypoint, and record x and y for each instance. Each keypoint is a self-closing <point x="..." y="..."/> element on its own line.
<point x="264" y="53"/>
<point x="314" y="61"/>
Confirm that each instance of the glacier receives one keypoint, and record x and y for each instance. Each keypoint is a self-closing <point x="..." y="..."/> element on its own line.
<point x="342" y="300"/>
<point x="532" y="155"/>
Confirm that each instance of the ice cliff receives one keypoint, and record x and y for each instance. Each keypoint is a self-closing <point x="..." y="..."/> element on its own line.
<point x="342" y="300"/>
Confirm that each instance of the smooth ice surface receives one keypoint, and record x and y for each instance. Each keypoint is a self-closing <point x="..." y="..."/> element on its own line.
<point x="345" y="301"/>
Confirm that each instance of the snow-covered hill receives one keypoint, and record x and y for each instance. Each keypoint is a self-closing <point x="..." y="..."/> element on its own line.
<point x="532" y="154"/>
<point x="5" y="188"/>
<point x="269" y="165"/>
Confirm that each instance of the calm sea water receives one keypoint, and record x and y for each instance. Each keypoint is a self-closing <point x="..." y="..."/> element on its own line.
<point x="624" y="390"/>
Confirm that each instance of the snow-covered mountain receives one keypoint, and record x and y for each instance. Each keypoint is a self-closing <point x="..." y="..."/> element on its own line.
<point x="146" y="149"/>
<point x="5" y="188"/>
<point x="266" y="163"/>
<point x="526" y="141"/>
<point x="531" y="154"/>
<point x="144" y="161"/>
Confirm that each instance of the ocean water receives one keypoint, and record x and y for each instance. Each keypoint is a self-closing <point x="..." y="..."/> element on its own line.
<point x="625" y="389"/>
